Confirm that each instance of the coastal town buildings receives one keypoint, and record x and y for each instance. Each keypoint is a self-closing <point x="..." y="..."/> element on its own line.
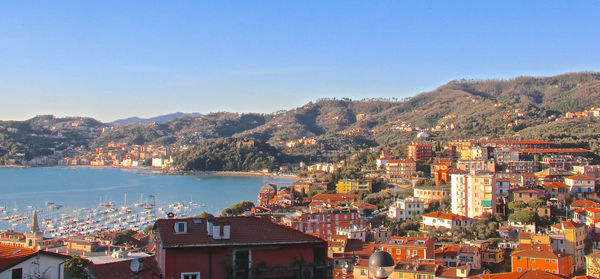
<point x="408" y="208"/>
<point x="473" y="194"/>
<point x="420" y="152"/>
<point x="236" y="247"/>
<point x="352" y="185"/>
<point x="400" y="170"/>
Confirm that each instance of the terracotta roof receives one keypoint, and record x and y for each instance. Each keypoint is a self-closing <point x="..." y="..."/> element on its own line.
<point x="447" y="216"/>
<point x="406" y="161"/>
<point x="585" y="203"/>
<point x="538" y="254"/>
<point x="454" y="171"/>
<point x="515" y="142"/>
<point x="121" y="270"/>
<point x="579" y="177"/>
<point x="244" y="231"/>
<point x="451" y="250"/>
<point x="567" y="225"/>
<point x="10" y="255"/>
<point x="555" y="150"/>
<point x="556" y="185"/>
<point x="335" y="197"/>
<point x="527" y="274"/>
<point x="532" y="191"/>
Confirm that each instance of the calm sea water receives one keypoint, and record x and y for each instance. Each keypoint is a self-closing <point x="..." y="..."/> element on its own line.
<point x="30" y="188"/>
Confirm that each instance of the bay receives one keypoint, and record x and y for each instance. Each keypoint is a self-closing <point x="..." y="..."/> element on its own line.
<point x="26" y="189"/>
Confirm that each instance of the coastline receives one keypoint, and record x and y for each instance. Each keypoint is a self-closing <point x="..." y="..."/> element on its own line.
<point x="13" y="167"/>
<point x="155" y="171"/>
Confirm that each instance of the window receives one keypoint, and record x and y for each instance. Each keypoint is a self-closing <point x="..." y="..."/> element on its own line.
<point x="242" y="259"/>
<point x="362" y="272"/>
<point x="320" y="255"/>
<point x="190" y="275"/>
<point x="181" y="227"/>
<point x="519" y="269"/>
<point x="17" y="273"/>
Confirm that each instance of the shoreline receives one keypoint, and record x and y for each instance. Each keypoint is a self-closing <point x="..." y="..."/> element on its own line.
<point x="155" y="171"/>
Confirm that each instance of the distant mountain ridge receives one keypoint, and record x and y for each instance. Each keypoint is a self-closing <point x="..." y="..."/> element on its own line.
<point x="518" y="108"/>
<point x="157" y="119"/>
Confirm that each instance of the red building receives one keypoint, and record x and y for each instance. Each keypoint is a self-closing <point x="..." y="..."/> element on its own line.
<point x="406" y="248"/>
<point x="420" y="152"/>
<point x="236" y="247"/>
<point x="325" y="223"/>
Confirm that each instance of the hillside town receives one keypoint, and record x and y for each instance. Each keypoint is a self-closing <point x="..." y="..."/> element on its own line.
<point x="466" y="209"/>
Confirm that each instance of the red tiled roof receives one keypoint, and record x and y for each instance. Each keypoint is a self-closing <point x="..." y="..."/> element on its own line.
<point x="555" y="150"/>
<point x="406" y="161"/>
<point x="10" y="255"/>
<point x="584" y="203"/>
<point x="451" y="250"/>
<point x="527" y="274"/>
<point x="243" y="231"/>
<point x="567" y="225"/>
<point x="363" y="204"/>
<point x="121" y="270"/>
<point x="515" y="142"/>
<point x="447" y="216"/>
<point x="334" y="197"/>
<point x="544" y="254"/>
<point x="453" y="171"/>
<point x="532" y="191"/>
<point x="579" y="177"/>
<point x="556" y="185"/>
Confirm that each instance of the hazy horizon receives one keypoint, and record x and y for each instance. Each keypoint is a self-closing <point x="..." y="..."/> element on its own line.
<point x="114" y="60"/>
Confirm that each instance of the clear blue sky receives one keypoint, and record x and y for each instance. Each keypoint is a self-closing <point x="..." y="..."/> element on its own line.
<point x="114" y="59"/>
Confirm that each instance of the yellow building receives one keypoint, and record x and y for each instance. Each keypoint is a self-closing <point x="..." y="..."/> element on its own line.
<point x="348" y="185"/>
<point x="575" y="235"/>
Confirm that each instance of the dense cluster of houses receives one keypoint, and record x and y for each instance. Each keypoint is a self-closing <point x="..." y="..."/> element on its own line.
<point x="541" y="196"/>
<point x="125" y="155"/>
<point x="474" y="178"/>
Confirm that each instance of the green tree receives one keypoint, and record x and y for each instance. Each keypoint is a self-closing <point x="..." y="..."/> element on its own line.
<point x="75" y="267"/>
<point x="537" y="203"/>
<point x="517" y="205"/>
<point x="205" y="215"/>
<point x="238" y="208"/>
<point x="523" y="216"/>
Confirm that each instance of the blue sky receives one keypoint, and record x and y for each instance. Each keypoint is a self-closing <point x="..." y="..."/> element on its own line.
<point x="114" y="59"/>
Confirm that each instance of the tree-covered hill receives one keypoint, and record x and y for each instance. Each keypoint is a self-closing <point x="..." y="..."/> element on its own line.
<point x="522" y="107"/>
<point x="230" y="154"/>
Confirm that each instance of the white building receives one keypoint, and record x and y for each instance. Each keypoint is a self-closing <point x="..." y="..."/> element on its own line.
<point x="406" y="209"/>
<point x="445" y="220"/>
<point x="22" y="262"/>
<point x="473" y="194"/>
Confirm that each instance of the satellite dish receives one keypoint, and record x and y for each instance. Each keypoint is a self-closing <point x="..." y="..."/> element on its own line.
<point x="135" y="265"/>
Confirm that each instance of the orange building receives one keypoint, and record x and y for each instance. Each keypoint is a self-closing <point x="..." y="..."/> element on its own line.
<point x="406" y="248"/>
<point x="444" y="175"/>
<point x="541" y="257"/>
<point x="420" y="152"/>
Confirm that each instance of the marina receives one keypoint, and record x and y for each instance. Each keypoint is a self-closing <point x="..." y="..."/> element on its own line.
<point x="112" y="199"/>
